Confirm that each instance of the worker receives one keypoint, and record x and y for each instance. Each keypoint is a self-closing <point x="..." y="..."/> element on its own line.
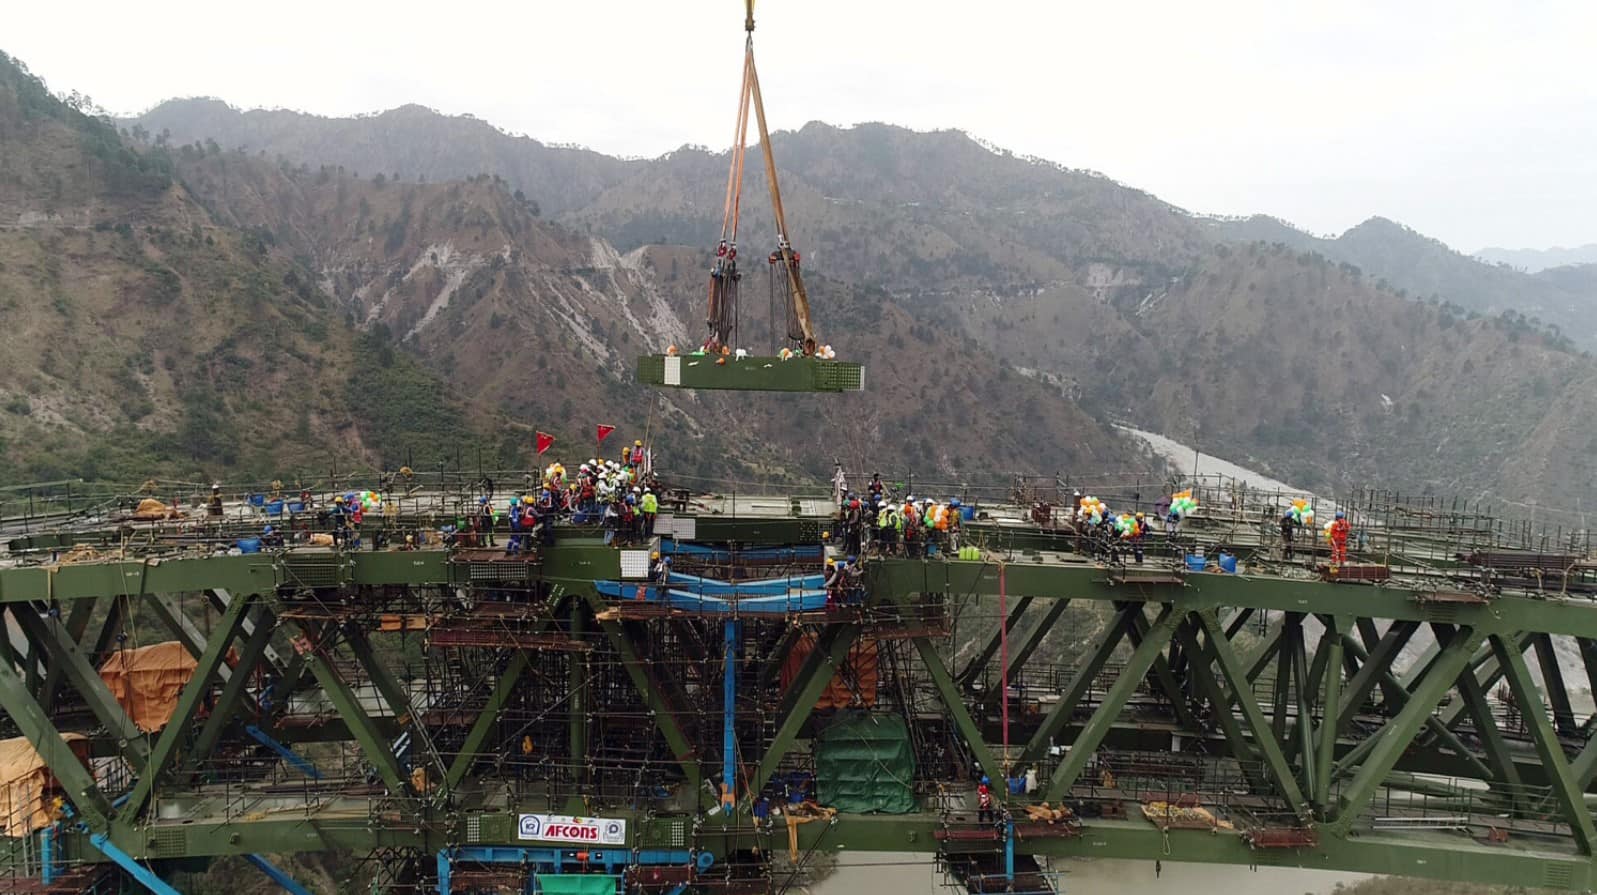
<point x="876" y="487"/>
<point x="1288" y="532"/>
<point x="649" y="507"/>
<point x="956" y="516"/>
<point x="833" y="584"/>
<point x="839" y="485"/>
<point x="1139" y="529"/>
<point x="984" y="802"/>
<point x="340" y="519"/>
<point x="635" y="457"/>
<point x="889" y="525"/>
<point x="485" y="522"/>
<point x="214" y="507"/>
<point x="1339" y="533"/>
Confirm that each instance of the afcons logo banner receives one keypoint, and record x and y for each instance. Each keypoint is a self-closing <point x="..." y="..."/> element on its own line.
<point x="580" y="830"/>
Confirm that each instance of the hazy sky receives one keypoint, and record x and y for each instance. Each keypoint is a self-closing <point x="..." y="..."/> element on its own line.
<point x="1475" y="122"/>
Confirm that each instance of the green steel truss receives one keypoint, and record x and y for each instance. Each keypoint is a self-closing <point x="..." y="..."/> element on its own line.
<point x="1367" y="728"/>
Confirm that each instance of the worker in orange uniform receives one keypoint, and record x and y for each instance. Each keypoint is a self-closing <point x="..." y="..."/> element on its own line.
<point x="1339" y="533"/>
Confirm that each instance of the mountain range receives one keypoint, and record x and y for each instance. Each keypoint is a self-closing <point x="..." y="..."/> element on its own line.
<point x="1008" y="309"/>
<point x="1537" y="260"/>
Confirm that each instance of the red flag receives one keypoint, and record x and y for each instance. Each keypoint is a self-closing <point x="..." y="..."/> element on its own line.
<point x="604" y="432"/>
<point x="544" y="441"/>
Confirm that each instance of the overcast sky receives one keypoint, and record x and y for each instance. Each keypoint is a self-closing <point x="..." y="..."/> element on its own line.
<point x="1475" y="122"/>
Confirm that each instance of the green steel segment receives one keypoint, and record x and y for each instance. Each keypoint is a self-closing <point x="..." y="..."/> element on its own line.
<point x="116" y="615"/>
<point x="1505" y="773"/>
<point x="1207" y="590"/>
<point x="371" y="740"/>
<point x="67" y="659"/>
<point x="220" y="598"/>
<point x="176" y="620"/>
<point x="155" y="770"/>
<point x="1264" y="739"/>
<point x="1035" y="637"/>
<point x="1564" y="789"/>
<point x="771" y="668"/>
<point x="1373" y="664"/>
<point x="1488" y="672"/>
<point x="484" y="725"/>
<point x="395" y="697"/>
<point x="1266" y="654"/>
<point x="1280" y="691"/>
<point x="1553" y="685"/>
<point x="1059" y="716"/>
<point x="1162" y="675"/>
<point x="1330" y="700"/>
<point x="765" y="374"/>
<point x="1200" y="669"/>
<point x="1393" y="738"/>
<point x="978" y="662"/>
<point x="831" y="649"/>
<point x="1433" y="724"/>
<point x="77" y="621"/>
<point x="953" y="702"/>
<point x="1103" y="717"/>
<point x="663" y="714"/>
<point x="243" y="574"/>
<point x="1391" y="691"/>
<point x="233" y="692"/>
<point x="31" y="720"/>
<point x="1301" y="746"/>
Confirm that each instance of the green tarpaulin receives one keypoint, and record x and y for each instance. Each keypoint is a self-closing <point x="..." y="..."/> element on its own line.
<point x="577" y="883"/>
<point x="864" y="764"/>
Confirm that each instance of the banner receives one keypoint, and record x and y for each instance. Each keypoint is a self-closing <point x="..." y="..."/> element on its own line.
<point x="604" y="432"/>
<point x="544" y="442"/>
<point x="563" y="828"/>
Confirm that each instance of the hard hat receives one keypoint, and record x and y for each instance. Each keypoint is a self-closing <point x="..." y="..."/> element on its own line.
<point x="830" y="561"/>
<point x="852" y="560"/>
<point x="1340" y="514"/>
<point x="482" y="500"/>
<point x="338" y="499"/>
<point x="526" y="498"/>
<point x="638" y="442"/>
<point x="984" y="780"/>
<point x="953" y="501"/>
<point x="267" y="530"/>
<point x="654" y="555"/>
<point x="216" y="487"/>
<point x="1139" y="515"/>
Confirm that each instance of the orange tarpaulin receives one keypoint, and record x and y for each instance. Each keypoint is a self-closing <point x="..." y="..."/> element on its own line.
<point x="855" y="682"/>
<point x="147" y="681"/>
<point x="26" y="785"/>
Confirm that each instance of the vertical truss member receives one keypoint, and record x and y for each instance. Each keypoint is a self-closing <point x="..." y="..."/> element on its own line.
<point x="787" y="284"/>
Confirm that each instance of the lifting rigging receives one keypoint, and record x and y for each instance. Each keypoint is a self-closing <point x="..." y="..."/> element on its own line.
<point x="787" y="282"/>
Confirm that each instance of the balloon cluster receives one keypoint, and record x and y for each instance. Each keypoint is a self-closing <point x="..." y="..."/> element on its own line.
<point x="369" y="500"/>
<point x="1327" y="529"/>
<point x="1182" y="503"/>
<point x="1126" y="524"/>
<point x="1301" y="512"/>
<point x="1092" y="510"/>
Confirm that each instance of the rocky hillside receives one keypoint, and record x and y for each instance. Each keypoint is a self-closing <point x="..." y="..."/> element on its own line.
<point x="141" y="337"/>
<point x="1328" y="362"/>
<point x="542" y="323"/>
<point x="1425" y="269"/>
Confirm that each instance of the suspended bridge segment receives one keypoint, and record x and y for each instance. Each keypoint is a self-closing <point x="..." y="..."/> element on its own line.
<point x="467" y="719"/>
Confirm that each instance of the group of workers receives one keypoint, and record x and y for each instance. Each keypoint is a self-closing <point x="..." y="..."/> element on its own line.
<point x="913" y="526"/>
<point x="1336" y="532"/>
<point x="619" y="495"/>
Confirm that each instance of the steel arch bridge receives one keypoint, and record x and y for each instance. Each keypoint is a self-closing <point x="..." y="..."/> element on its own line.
<point x="473" y="720"/>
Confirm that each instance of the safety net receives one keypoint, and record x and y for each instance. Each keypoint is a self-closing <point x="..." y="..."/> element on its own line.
<point x="864" y="763"/>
